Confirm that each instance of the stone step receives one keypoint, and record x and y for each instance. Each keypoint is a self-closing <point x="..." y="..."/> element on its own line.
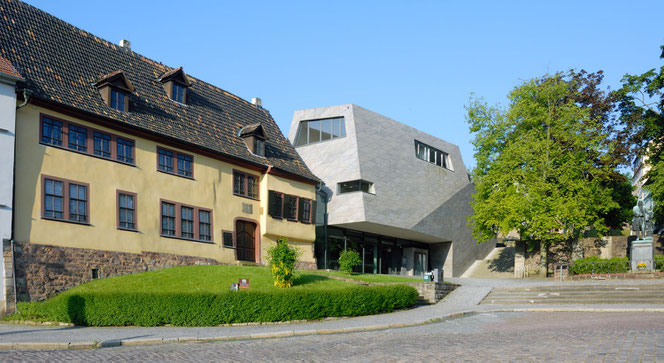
<point x="573" y="288"/>
<point x="659" y="297"/>
<point x="571" y="301"/>
<point x="580" y="293"/>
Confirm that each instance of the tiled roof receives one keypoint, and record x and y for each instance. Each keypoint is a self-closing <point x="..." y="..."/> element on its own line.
<point x="6" y="67"/>
<point x="61" y="63"/>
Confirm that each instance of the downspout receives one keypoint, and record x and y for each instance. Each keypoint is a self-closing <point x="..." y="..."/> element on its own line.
<point x="324" y="199"/>
<point x="26" y="99"/>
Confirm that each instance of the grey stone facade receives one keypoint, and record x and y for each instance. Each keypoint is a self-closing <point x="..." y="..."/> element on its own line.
<point x="412" y="199"/>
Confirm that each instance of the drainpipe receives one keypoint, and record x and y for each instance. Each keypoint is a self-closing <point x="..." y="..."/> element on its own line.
<point x="324" y="198"/>
<point x="26" y="98"/>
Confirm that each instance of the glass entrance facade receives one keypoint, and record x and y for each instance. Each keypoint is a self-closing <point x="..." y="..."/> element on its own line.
<point x="379" y="254"/>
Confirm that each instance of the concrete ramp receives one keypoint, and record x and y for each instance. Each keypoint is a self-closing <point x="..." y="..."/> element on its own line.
<point x="499" y="264"/>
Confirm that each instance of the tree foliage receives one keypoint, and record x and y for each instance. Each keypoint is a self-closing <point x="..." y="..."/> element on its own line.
<point x="641" y="105"/>
<point x="543" y="164"/>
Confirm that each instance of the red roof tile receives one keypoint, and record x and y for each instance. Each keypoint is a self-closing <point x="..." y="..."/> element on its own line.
<point x="6" y="67"/>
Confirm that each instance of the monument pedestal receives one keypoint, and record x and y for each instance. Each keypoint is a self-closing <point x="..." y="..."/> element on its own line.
<point x="642" y="257"/>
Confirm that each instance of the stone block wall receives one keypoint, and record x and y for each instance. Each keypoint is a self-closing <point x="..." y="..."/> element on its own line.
<point x="42" y="271"/>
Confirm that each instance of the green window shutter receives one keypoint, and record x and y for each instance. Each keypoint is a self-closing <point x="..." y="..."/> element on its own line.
<point x="313" y="212"/>
<point x="300" y="210"/>
<point x="274" y="204"/>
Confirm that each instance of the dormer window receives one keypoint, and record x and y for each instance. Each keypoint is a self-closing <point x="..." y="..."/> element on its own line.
<point x="117" y="100"/>
<point x="178" y="93"/>
<point x="115" y="89"/>
<point x="175" y="84"/>
<point x="254" y="137"/>
<point x="259" y="147"/>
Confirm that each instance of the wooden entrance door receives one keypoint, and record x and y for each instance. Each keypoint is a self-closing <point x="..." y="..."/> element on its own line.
<point x="245" y="234"/>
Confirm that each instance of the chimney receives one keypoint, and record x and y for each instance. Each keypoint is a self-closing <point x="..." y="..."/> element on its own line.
<point x="257" y="101"/>
<point x="124" y="43"/>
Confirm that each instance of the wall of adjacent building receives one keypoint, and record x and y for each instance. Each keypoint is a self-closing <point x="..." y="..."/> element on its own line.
<point x="211" y="187"/>
<point x="7" y="137"/>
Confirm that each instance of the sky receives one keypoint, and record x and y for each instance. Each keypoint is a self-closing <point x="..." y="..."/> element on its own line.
<point x="417" y="62"/>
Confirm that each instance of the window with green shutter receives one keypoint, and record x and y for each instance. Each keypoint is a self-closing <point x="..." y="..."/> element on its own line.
<point x="275" y="204"/>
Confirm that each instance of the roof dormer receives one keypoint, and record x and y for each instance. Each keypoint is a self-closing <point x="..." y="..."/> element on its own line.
<point x="115" y="89"/>
<point x="175" y="84"/>
<point x="254" y="137"/>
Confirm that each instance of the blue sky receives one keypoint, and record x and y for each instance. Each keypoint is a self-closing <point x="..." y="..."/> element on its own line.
<point x="414" y="61"/>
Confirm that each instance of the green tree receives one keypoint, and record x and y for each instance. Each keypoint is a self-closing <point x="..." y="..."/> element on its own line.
<point x="641" y="105"/>
<point x="543" y="163"/>
<point x="621" y="193"/>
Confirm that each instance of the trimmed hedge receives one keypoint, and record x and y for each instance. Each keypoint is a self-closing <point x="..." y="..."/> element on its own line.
<point x="589" y="265"/>
<point x="207" y="309"/>
<point x="584" y="266"/>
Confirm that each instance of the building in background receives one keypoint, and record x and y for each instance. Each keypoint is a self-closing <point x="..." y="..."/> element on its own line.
<point x="124" y="164"/>
<point x="398" y="196"/>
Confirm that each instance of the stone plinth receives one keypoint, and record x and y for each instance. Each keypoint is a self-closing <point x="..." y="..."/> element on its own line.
<point x="642" y="253"/>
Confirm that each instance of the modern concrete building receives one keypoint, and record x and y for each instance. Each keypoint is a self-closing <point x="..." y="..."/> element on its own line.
<point x="397" y="195"/>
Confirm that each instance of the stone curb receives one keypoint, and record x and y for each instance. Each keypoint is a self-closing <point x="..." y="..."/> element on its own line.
<point x="290" y="333"/>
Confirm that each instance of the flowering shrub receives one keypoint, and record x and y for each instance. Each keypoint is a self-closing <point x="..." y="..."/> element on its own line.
<point x="282" y="259"/>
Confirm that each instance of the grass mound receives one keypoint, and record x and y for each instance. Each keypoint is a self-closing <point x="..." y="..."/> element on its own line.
<point x="200" y="296"/>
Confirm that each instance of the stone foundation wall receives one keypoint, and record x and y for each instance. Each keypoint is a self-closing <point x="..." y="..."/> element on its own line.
<point x="43" y="271"/>
<point x="9" y="305"/>
<point x="303" y="265"/>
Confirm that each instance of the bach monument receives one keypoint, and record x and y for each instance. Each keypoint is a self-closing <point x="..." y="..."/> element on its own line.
<point x="641" y="256"/>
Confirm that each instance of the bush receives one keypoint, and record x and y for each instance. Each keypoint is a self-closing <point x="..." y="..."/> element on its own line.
<point x="282" y="259"/>
<point x="596" y="265"/>
<point x="206" y="309"/>
<point x="659" y="263"/>
<point x="348" y="259"/>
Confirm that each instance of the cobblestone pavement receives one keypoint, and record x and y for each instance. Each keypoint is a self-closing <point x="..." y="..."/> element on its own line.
<point x="622" y="337"/>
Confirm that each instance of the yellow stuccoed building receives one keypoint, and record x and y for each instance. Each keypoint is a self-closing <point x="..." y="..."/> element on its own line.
<point x="123" y="164"/>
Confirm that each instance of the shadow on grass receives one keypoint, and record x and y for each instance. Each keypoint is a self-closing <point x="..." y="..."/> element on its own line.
<point x="504" y="262"/>
<point x="308" y="279"/>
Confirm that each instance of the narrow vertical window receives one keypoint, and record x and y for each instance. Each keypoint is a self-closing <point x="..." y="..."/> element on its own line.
<point x="125" y="151"/>
<point x="167" y="219"/>
<point x="53" y="199"/>
<point x="102" y="144"/>
<point x="78" y="211"/>
<point x="306" y="211"/>
<point x="290" y="207"/>
<point x="204" y="226"/>
<point x="78" y="138"/>
<point x="259" y="147"/>
<point x="178" y="93"/>
<point x="252" y="187"/>
<point x="187" y="218"/>
<point x="51" y="132"/>
<point x="184" y="165"/>
<point x="127" y="211"/>
<point x="117" y="100"/>
<point x="238" y="183"/>
<point x="166" y="160"/>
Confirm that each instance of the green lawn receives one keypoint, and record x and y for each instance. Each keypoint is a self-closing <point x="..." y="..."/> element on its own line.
<point x="207" y="279"/>
<point x="201" y="296"/>
<point x="371" y="277"/>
